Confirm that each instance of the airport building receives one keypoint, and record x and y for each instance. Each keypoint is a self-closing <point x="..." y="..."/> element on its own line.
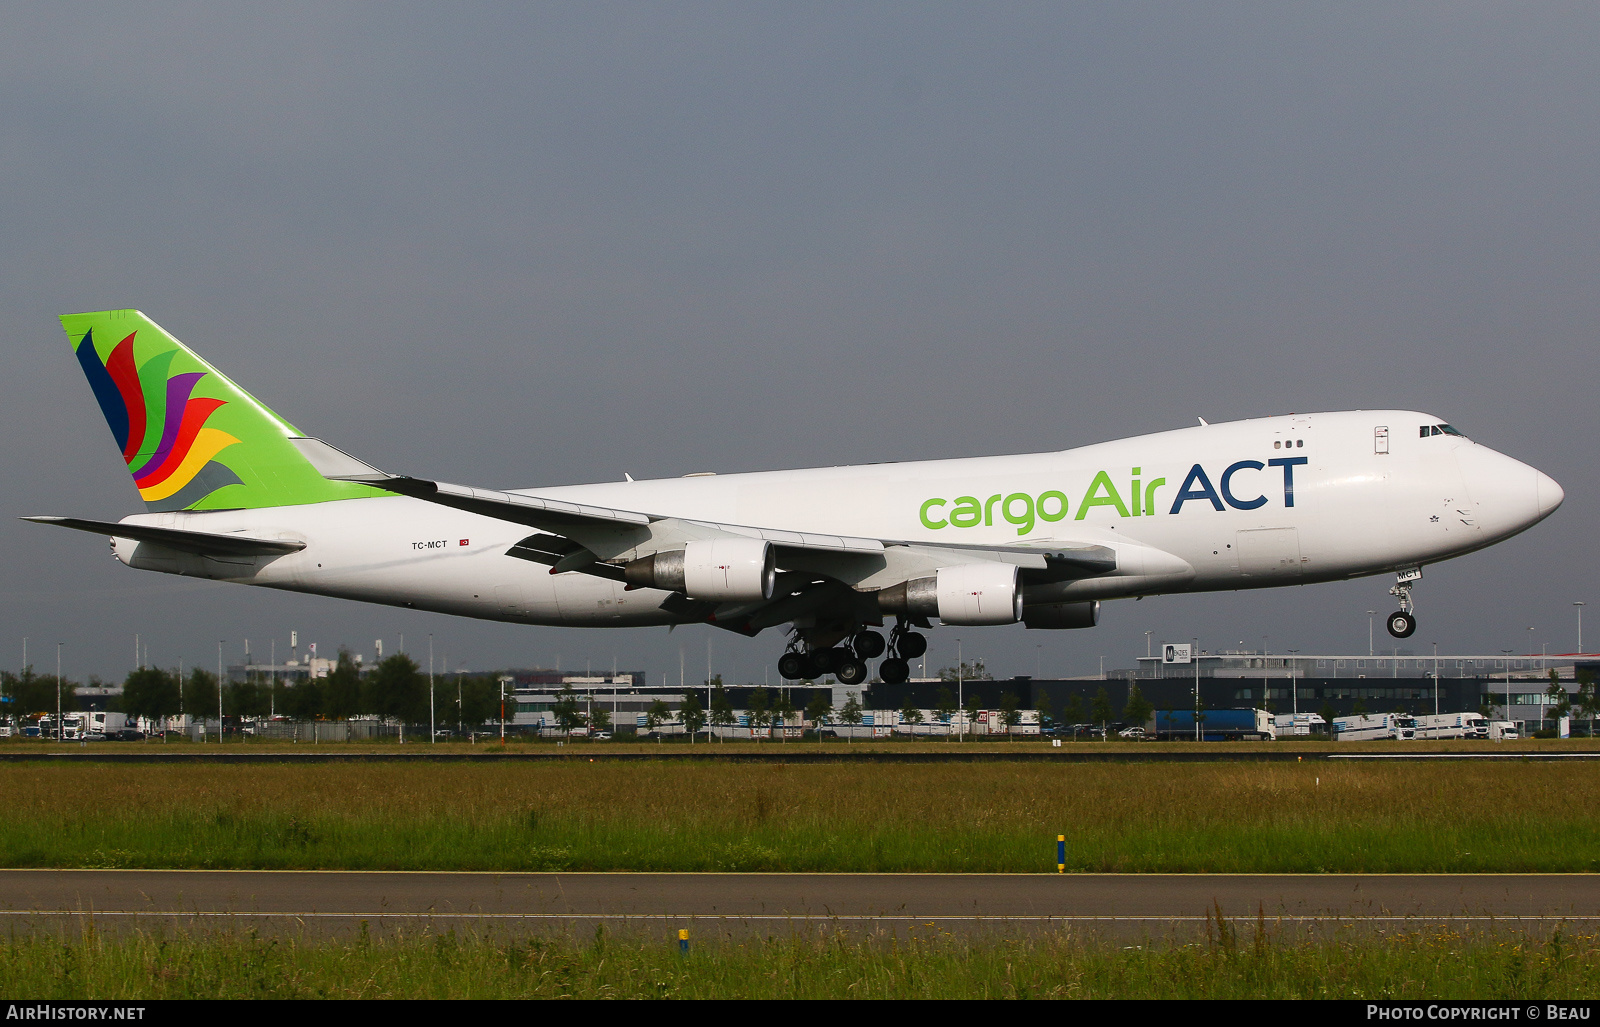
<point x="1514" y="687"/>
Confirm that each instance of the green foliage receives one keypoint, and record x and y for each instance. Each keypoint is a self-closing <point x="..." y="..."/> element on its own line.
<point x="851" y="713"/>
<point x="1138" y="709"/>
<point x="567" y="711"/>
<point x="1046" y="711"/>
<point x="1009" y="712"/>
<point x="340" y="691"/>
<point x="759" y="708"/>
<point x="693" y="713"/>
<point x="247" y="699"/>
<point x="784" y="708"/>
<point x="1074" y="710"/>
<point x="151" y="692"/>
<point x="599" y="718"/>
<point x="658" y="713"/>
<point x="479" y="699"/>
<point x="944" y="704"/>
<point x="200" y="694"/>
<point x="396" y="689"/>
<point x="722" y="712"/>
<point x="1560" y="704"/>
<point x="974" y="671"/>
<point x="820" y="708"/>
<point x="910" y="714"/>
<point x="1100" y="709"/>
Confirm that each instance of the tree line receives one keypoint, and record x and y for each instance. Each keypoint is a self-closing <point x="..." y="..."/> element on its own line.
<point x="395" y="689"/>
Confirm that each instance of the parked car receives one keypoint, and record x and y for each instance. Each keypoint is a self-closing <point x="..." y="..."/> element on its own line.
<point x="1134" y="733"/>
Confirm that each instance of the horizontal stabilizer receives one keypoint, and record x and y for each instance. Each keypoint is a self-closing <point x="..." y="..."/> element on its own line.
<point x="202" y="542"/>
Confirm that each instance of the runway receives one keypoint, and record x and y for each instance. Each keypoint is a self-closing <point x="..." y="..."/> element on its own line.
<point x="1111" y="906"/>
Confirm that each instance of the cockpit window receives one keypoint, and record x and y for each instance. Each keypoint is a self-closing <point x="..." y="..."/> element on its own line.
<point x="1439" y="429"/>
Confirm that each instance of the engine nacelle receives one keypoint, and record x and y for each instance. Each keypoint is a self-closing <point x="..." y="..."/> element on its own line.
<point x="979" y="593"/>
<point x="718" y="570"/>
<point x="966" y="594"/>
<point x="1056" y="616"/>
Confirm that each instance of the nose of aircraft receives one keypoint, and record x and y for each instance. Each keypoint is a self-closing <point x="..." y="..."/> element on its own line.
<point x="1550" y="494"/>
<point x="1510" y="496"/>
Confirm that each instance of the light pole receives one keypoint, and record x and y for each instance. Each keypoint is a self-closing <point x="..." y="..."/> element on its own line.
<point x="1147" y="644"/>
<point x="1194" y="654"/>
<point x="1580" y="627"/>
<point x="58" y="692"/>
<point x="503" y="680"/>
<point x="960" y="684"/>
<point x="433" y="732"/>
<point x="219" y="689"/>
<point x="1294" y="684"/>
<point x="1508" y="653"/>
<point x="1370" y="614"/>
<point x="1436" y="679"/>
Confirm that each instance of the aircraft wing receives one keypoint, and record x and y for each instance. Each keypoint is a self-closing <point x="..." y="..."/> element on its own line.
<point x="579" y="537"/>
<point x="203" y="543"/>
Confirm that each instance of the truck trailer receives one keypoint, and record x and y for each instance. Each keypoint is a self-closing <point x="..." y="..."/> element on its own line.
<point x="1375" y="727"/>
<point x="1215" y="725"/>
<point x="1452" y="725"/>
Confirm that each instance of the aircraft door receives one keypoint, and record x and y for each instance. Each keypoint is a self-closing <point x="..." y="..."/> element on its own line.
<point x="1269" y="552"/>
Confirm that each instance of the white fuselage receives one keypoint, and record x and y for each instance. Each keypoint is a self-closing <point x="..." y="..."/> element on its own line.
<point x="1247" y="504"/>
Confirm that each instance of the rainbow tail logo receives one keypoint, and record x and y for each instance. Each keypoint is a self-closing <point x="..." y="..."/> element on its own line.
<point x="192" y="439"/>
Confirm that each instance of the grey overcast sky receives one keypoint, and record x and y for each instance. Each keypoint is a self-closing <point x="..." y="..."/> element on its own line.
<point x="527" y="244"/>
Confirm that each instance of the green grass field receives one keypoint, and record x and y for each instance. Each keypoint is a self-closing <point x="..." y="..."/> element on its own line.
<point x="1235" y="962"/>
<point x="705" y="815"/>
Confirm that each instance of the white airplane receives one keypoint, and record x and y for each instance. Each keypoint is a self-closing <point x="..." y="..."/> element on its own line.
<point x="236" y="493"/>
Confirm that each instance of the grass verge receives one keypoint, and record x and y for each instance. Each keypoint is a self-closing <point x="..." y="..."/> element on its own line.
<point x="702" y="816"/>
<point x="1234" y="963"/>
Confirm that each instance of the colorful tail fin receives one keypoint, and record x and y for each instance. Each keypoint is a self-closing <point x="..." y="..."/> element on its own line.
<point x="192" y="439"/>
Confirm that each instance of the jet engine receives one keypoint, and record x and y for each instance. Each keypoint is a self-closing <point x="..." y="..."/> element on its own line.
<point x="719" y="570"/>
<point x="966" y="594"/>
<point x="1062" y="615"/>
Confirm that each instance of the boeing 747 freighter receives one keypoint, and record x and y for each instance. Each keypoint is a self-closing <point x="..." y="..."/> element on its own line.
<point x="235" y="493"/>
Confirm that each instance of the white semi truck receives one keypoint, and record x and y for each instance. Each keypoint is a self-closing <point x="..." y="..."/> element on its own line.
<point x="1375" y="727"/>
<point x="1453" y="725"/>
<point x="99" y="726"/>
<point x="1291" y="725"/>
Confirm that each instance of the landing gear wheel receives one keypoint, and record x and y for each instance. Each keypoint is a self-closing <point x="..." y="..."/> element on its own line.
<point x="912" y="645"/>
<point x="827" y="661"/>
<point x="1402" y="624"/>
<point x="794" y="666"/>
<point x="894" y="671"/>
<point x="869" y="645"/>
<point x="851" y="671"/>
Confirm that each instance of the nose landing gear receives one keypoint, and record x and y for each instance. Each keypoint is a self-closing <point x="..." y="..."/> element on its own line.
<point x="1402" y="623"/>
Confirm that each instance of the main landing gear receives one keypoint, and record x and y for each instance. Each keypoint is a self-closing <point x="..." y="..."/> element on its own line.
<point x="1402" y="623"/>
<point x="848" y="662"/>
